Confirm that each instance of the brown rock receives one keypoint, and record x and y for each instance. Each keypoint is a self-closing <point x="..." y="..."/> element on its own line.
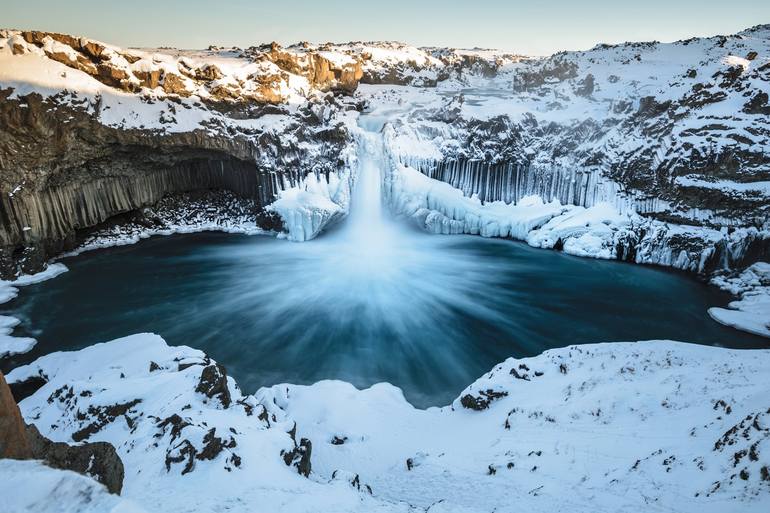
<point x="92" y="49"/>
<point x="18" y="49"/>
<point x="174" y="84"/>
<point x="208" y="72"/>
<point x="150" y="79"/>
<point x="111" y="76"/>
<point x="13" y="439"/>
<point x="36" y="37"/>
<point x="130" y="58"/>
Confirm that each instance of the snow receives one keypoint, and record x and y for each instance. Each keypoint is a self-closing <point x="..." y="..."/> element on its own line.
<point x="752" y="311"/>
<point x="607" y="427"/>
<point x="312" y="205"/>
<point x="761" y="187"/>
<point x="594" y="436"/>
<point x="10" y="345"/>
<point x="55" y="491"/>
<point x="440" y="208"/>
<point x="249" y="468"/>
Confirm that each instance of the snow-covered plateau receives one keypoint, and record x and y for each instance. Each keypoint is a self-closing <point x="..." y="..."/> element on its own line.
<point x="652" y="153"/>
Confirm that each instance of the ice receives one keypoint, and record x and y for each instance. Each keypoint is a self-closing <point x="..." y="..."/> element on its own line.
<point x="10" y="345"/>
<point x="752" y="311"/>
<point x="312" y="205"/>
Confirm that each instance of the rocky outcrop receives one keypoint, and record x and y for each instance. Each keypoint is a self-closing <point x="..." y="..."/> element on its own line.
<point x="23" y="441"/>
<point x="13" y="438"/>
<point x="63" y="171"/>
<point x="98" y="459"/>
<point x="131" y="72"/>
<point x="341" y="73"/>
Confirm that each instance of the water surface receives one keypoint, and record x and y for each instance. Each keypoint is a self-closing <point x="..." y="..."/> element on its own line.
<point x="441" y="311"/>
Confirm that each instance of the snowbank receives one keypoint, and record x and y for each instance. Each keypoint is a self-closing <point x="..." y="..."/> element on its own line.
<point x="605" y="427"/>
<point x="752" y="312"/>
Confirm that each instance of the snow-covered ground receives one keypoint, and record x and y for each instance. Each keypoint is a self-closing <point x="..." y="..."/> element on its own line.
<point x="30" y="486"/>
<point x="607" y="427"/>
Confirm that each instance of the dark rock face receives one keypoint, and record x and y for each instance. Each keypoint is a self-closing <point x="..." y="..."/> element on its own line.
<point x="481" y="401"/>
<point x="98" y="459"/>
<point x="185" y="452"/>
<point x="103" y="415"/>
<point x="299" y="457"/>
<point x="213" y="384"/>
<point x="23" y="389"/>
<point x="70" y="172"/>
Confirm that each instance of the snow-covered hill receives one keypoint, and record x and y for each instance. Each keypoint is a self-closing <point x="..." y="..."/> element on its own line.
<point x="607" y="427"/>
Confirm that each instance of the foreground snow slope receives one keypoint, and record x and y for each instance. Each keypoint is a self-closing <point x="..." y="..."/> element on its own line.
<point x="653" y="425"/>
<point x="30" y="486"/>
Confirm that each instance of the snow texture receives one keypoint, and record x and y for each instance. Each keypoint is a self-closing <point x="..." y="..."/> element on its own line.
<point x="605" y="427"/>
<point x="30" y="486"/>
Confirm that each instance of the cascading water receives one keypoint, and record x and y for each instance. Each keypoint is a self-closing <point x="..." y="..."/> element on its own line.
<point x="371" y="300"/>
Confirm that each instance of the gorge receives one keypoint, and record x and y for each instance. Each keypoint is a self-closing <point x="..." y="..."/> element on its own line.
<point x="398" y="221"/>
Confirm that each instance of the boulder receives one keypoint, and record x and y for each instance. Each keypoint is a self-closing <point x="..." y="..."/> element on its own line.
<point x="208" y="72"/>
<point x="99" y="460"/>
<point x="92" y="49"/>
<point x="174" y="84"/>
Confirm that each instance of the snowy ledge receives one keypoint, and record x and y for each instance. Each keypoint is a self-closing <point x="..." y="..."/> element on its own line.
<point x="752" y="311"/>
<point x="603" y="427"/>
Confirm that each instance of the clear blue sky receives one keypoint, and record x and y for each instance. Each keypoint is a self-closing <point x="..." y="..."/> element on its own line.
<point x="531" y="27"/>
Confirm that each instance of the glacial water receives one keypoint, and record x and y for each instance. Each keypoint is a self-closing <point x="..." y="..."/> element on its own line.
<point x="371" y="300"/>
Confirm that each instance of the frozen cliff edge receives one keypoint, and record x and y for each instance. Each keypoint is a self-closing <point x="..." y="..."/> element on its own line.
<point x="599" y="231"/>
<point x="656" y="421"/>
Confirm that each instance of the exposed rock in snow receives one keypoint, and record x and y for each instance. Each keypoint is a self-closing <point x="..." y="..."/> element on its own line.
<point x="608" y="426"/>
<point x="752" y="311"/>
<point x="187" y="436"/>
